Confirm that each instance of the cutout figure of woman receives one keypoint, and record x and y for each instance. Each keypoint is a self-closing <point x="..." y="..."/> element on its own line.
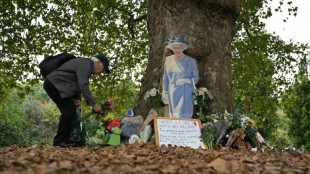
<point x="179" y="80"/>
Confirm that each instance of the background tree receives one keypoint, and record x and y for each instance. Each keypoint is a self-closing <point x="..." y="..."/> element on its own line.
<point x="296" y="106"/>
<point x="23" y="120"/>
<point x="209" y="27"/>
<point x="262" y="63"/>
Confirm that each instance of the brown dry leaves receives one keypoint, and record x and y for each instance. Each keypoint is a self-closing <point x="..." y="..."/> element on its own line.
<point x="148" y="159"/>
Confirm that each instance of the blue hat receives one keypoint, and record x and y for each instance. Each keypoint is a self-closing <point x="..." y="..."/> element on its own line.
<point x="105" y="62"/>
<point x="176" y="39"/>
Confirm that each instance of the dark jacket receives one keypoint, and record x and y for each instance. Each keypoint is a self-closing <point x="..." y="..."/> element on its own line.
<point x="72" y="78"/>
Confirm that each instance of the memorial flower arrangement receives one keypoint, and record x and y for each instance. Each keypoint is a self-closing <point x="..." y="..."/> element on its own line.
<point x="201" y="97"/>
<point x="208" y="134"/>
<point x="248" y="126"/>
<point x="107" y="106"/>
<point x="153" y="99"/>
<point x="212" y="117"/>
<point x="109" y="122"/>
<point x="111" y="131"/>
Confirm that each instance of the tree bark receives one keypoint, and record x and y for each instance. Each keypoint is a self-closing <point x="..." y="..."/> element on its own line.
<point x="209" y="27"/>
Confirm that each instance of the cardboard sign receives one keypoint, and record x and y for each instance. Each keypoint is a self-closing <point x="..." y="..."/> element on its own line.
<point x="178" y="131"/>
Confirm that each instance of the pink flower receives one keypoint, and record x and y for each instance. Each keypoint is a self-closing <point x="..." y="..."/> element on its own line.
<point x="110" y="101"/>
<point x="111" y="107"/>
<point x="210" y="96"/>
<point x="202" y="127"/>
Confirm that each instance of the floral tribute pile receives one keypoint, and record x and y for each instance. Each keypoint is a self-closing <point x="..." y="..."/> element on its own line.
<point x="216" y="128"/>
<point x="110" y="125"/>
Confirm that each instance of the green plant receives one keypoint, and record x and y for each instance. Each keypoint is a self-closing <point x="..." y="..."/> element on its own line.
<point x="296" y="106"/>
<point x="153" y="99"/>
<point x="201" y="98"/>
<point x="208" y="134"/>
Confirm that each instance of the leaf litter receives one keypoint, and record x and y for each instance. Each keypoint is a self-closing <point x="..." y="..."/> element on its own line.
<point x="148" y="158"/>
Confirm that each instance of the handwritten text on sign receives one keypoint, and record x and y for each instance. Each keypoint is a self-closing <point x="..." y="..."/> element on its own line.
<point x="179" y="132"/>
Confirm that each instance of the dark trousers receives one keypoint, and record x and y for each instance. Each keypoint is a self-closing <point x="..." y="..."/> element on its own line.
<point x="67" y="109"/>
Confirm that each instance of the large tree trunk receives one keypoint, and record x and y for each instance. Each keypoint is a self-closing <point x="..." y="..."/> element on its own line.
<point x="209" y="27"/>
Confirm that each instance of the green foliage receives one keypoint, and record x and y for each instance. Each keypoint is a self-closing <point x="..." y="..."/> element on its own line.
<point x="10" y="133"/>
<point x="33" y="29"/>
<point x="261" y="62"/>
<point x="22" y="119"/>
<point x="153" y="99"/>
<point x="296" y="107"/>
<point x="280" y="138"/>
<point x="12" y="122"/>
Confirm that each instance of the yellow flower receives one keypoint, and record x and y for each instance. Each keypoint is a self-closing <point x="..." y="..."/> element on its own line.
<point x="253" y="124"/>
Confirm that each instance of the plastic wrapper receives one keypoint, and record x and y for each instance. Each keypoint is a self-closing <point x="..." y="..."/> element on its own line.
<point x="146" y="133"/>
<point x="220" y="127"/>
<point x="133" y="139"/>
<point x="131" y="126"/>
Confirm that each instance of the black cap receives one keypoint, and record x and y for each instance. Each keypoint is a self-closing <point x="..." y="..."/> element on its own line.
<point x="105" y="62"/>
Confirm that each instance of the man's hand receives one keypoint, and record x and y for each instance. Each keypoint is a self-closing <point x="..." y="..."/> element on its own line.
<point x="77" y="103"/>
<point x="97" y="108"/>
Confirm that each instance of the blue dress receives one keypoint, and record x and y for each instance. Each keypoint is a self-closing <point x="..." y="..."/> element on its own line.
<point x="179" y="80"/>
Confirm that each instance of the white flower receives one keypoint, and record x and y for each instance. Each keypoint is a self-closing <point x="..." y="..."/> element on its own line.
<point x="244" y="120"/>
<point x="205" y="90"/>
<point x="195" y="102"/>
<point x="146" y="96"/>
<point x="153" y="92"/>
<point x="200" y="91"/>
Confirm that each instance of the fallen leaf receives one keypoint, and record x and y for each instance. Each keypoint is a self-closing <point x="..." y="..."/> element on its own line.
<point x="39" y="169"/>
<point x="169" y="169"/>
<point x="65" y="164"/>
<point x="219" y="165"/>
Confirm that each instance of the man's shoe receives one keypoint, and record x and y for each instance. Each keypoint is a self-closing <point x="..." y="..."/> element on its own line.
<point x="63" y="144"/>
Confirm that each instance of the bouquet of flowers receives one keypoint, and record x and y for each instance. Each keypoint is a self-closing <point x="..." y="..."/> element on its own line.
<point x="153" y="99"/>
<point x="201" y="97"/>
<point x="208" y="134"/>
<point x="211" y="118"/>
<point x="112" y="131"/>
<point x="249" y="130"/>
<point x="107" y="107"/>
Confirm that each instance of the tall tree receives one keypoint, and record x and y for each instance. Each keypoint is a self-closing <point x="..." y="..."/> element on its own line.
<point x="209" y="27"/>
<point x="262" y="62"/>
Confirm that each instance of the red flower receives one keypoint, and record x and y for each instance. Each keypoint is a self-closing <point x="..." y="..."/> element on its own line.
<point x="114" y="123"/>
